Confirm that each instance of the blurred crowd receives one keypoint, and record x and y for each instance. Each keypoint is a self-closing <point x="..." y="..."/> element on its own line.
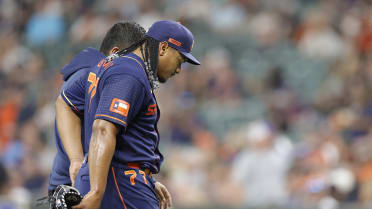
<point x="277" y="116"/>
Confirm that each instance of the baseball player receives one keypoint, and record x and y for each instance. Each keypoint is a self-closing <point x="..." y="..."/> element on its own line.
<point x="121" y="115"/>
<point x="68" y="132"/>
<point x="68" y="160"/>
<point x="120" y="36"/>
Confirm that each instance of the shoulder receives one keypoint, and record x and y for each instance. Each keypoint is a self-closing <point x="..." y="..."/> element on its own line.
<point x="85" y="59"/>
<point x="127" y="66"/>
<point x="82" y="73"/>
<point x="78" y="77"/>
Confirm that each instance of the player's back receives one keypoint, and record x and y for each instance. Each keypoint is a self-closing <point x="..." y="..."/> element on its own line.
<point x="74" y="72"/>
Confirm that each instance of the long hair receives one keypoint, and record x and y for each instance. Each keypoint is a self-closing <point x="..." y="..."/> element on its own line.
<point x="150" y="51"/>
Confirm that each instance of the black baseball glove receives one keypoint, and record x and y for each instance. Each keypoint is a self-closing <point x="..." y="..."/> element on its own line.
<point x="64" y="197"/>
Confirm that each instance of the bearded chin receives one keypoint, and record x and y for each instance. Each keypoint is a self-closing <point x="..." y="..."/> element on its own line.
<point x="161" y="80"/>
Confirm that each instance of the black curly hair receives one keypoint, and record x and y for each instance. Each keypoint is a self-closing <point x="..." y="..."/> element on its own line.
<point x="122" y="35"/>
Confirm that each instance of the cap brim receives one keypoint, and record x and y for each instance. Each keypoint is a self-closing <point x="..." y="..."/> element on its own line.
<point x="190" y="59"/>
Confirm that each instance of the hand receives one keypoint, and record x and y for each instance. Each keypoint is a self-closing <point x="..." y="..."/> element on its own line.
<point x="75" y="166"/>
<point x="90" y="201"/>
<point x="165" y="199"/>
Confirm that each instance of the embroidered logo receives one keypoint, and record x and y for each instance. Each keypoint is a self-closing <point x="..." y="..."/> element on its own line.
<point x="120" y="106"/>
<point x="175" y="42"/>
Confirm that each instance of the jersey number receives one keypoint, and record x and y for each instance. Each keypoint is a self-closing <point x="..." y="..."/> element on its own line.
<point x="151" y="110"/>
<point x="133" y="174"/>
<point x="105" y="64"/>
<point x="93" y="80"/>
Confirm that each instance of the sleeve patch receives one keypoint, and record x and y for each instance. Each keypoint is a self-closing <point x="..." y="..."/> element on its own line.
<point x="120" y="106"/>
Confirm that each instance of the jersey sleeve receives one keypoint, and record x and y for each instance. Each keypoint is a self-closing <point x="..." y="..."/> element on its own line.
<point x="121" y="99"/>
<point x="73" y="91"/>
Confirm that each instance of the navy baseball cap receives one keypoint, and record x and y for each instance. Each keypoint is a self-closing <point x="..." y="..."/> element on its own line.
<point x="177" y="36"/>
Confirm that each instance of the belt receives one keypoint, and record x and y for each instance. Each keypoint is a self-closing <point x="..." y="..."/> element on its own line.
<point x="138" y="166"/>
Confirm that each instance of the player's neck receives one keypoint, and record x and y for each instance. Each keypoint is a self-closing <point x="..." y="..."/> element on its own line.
<point x="138" y="53"/>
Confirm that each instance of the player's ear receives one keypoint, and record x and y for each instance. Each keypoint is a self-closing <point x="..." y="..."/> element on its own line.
<point x="163" y="48"/>
<point x="114" y="50"/>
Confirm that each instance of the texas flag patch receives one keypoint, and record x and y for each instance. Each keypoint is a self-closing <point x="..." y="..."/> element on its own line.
<point x="120" y="106"/>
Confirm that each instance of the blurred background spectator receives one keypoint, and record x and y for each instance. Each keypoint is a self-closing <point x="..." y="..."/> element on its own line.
<point x="277" y="116"/>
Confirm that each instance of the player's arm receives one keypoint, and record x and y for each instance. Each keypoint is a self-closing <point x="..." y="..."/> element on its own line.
<point x="71" y="102"/>
<point x="69" y="128"/>
<point x="101" y="151"/>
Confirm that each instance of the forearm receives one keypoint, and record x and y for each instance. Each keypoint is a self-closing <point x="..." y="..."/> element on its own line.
<point x="69" y="128"/>
<point x="101" y="151"/>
